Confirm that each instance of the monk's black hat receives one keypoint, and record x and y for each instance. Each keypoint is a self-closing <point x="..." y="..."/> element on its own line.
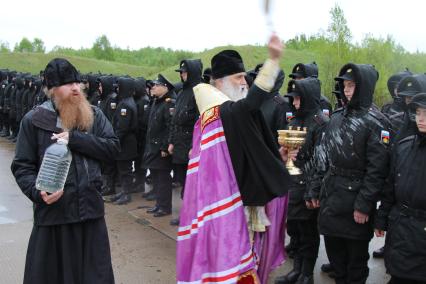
<point x="60" y="71"/>
<point x="225" y="63"/>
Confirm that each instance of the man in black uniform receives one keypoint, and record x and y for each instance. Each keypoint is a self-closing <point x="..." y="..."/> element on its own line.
<point x="301" y="71"/>
<point x="142" y="101"/>
<point x="353" y="165"/>
<point x="183" y="120"/>
<point x="93" y="95"/>
<point x="108" y="105"/>
<point x="69" y="241"/>
<point x="125" y="123"/>
<point x="402" y="210"/>
<point x="3" y="84"/>
<point x="395" y="112"/>
<point x="305" y="96"/>
<point x="395" y="109"/>
<point x="407" y="89"/>
<point x="10" y="88"/>
<point x="156" y="157"/>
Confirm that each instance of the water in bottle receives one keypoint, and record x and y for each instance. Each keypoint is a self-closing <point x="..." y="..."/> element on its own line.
<point x="54" y="167"/>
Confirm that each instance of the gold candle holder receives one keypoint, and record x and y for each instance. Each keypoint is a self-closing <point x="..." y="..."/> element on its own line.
<point x="292" y="139"/>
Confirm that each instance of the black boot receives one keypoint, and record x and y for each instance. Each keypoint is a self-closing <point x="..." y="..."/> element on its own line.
<point x="305" y="279"/>
<point x="293" y="275"/>
<point x="113" y="198"/>
<point x="124" y="199"/>
<point x="380" y="253"/>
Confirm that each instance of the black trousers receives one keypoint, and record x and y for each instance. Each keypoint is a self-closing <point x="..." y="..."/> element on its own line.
<point x="180" y="175"/>
<point x="349" y="259"/>
<point x="309" y="242"/>
<point x="397" y="280"/>
<point x="6" y="122"/>
<point x="125" y="173"/>
<point x="140" y="172"/>
<point x="293" y="232"/>
<point x="162" y="182"/>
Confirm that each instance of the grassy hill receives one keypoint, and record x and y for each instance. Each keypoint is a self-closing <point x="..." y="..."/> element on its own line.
<point x="34" y="62"/>
<point x="252" y="55"/>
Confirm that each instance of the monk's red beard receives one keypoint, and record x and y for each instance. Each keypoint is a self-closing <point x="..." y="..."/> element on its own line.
<point x="75" y="112"/>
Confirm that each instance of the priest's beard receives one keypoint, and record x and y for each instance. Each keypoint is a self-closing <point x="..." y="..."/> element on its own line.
<point x="75" y="112"/>
<point x="234" y="92"/>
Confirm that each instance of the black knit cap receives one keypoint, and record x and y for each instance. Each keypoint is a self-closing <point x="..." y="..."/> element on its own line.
<point x="225" y="63"/>
<point x="60" y="71"/>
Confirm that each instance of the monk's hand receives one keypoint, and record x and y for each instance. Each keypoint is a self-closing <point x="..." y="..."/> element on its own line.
<point x="63" y="135"/>
<point x="284" y="154"/>
<point x="51" y="198"/>
<point x="275" y="47"/>
<point x="379" y="233"/>
<point x="360" y="217"/>
<point x="164" y="154"/>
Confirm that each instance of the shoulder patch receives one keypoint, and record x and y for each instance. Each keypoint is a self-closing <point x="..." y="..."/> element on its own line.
<point x="123" y="112"/>
<point x="385" y="137"/>
<point x="171" y="110"/>
<point x="113" y="105"/>
<point x="289" y="115"/>
<point x="326" y="112"/>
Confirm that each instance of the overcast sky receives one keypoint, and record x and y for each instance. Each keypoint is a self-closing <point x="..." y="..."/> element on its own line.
<point x="200" y="24"/>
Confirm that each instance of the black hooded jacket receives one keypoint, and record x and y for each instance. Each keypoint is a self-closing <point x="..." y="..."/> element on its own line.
<point x="402" y="211"/>
<point x="309" y="115"/>
<point x="93" y="95"/>
<point x="108" y="97"/>
<point x="142" y="105"/>
<point x="3" y="84"/>
<point x="17" y="102"/>
<point x="40" y="97"/>
<point x="25" y="95"/>
<point x="275" y="107"/>
<point x="125" y="119"/>
<point x="82" y="199"/>
<point x="185" y="113"/>
<point x="408" y="126"/>
<point x="395" y="110"/>
<point x="353" y="158"/>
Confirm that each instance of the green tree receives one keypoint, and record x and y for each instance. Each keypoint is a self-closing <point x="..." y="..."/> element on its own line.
<point x="38" y="45"/>
<point x="24" y="45"/>
<point x="338" y="30"/>
<point x="102" y="48"/>
<point x="4" y="47"/>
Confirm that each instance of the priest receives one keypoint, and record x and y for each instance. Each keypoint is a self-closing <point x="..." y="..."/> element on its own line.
<point x="234" y="171"/>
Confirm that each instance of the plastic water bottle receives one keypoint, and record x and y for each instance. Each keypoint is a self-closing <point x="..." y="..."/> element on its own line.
<point x="54" y="167"/>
